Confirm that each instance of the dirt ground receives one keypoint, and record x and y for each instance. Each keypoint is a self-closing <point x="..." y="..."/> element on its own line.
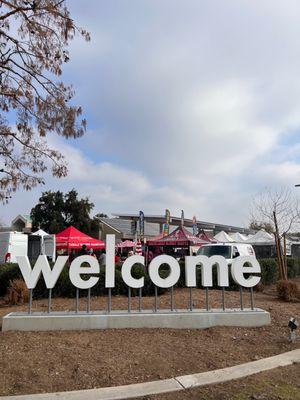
<point x="35" y="362"/>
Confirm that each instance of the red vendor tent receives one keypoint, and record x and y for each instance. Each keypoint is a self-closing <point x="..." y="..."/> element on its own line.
<point x="181" y="237"/>
<point x="207" y="237"/>
<point x="71" y="238"/>
<point x="126" y="243"/>
<point x="155" y="238"/>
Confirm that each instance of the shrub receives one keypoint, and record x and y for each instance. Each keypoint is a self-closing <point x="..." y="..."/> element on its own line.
<point x="139" y="271"/>
<point x="288" y="290"/>
<point x="293" y="267"/>
<point x="269" y="271"/>
<point x="64" y="287"/>
<point x="8" y="272"/>
<point x="99" y="289"/>
<point x="181" y="281"/>
<point x="120" y="287"/>
<point x="17" y="292"/>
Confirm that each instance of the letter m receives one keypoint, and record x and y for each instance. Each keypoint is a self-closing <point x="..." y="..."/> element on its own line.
<point x="31" y="276"/>
<point x="206" y="270"/>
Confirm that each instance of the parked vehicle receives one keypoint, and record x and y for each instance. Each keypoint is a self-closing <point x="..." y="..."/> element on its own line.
<point x="227" y="250"/>
<point x="49" y="246"/>
<point x="12" y="244"/>
<point x="41" y="243"/>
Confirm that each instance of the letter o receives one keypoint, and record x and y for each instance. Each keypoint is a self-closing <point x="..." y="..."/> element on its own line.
<point x="174" y="275"/>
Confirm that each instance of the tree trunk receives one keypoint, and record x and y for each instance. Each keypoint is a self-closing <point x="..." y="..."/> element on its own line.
<point x="285" y="258"/>
<point x="278" y="249"/>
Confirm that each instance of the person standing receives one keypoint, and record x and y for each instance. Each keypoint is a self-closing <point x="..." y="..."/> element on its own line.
<point x="83" y="250"/>
<point x="102" y="258"/>
<point x="91" y="253"/>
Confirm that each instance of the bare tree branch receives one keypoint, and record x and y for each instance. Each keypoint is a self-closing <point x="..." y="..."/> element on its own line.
<point x="29" y="59"/>
<point x="283" y="203"/>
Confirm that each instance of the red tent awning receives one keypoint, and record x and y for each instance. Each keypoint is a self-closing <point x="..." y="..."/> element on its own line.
<point x="181" y="237"/>
<point x="126" y="243"/>
<point x="72" y="238"/>
<point x="155" y="238"/>
<point x="207" y="237"/>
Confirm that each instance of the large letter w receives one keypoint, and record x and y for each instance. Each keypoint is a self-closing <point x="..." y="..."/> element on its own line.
<point x="31" y="276"/>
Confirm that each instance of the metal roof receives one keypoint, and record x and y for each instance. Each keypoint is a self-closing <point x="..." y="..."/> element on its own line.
<point x="24" y="217"/>
<point x="127" y="227"/>
<point x="160" y="219"/>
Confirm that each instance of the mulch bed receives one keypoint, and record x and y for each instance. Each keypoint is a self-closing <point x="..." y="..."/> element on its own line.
<point x="35" y="362"/>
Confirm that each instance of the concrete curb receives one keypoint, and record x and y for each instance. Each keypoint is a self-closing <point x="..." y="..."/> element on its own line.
<point x="179" y="319"/>
<point x="239" y="371"/>
<point x="173" y="384"/>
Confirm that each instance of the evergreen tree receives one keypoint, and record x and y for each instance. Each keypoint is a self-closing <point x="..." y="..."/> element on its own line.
<point x="56" y="211"/>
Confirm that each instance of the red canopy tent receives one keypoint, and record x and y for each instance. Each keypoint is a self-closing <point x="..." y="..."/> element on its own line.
<point x="72" y="238"/>
<point x="181" y="237"/>
<point x="126" y="243"/>
<point x="158" y="237"/>
<point x="207" y="237"/>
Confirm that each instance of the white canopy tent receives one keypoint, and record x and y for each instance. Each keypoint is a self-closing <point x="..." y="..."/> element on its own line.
<point x="48" y="243"/>
<point x="248" y="236"/>
<point x="223" y="237"/>
<point x="238" y="237"/>
<point x="261" y="238"/>
<point x="40" y="232"/>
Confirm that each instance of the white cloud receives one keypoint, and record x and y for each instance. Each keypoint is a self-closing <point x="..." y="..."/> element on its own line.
<point x="190" y="104"/>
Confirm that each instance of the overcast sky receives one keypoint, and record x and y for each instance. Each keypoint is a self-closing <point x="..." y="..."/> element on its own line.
<point x="191" y="104"/>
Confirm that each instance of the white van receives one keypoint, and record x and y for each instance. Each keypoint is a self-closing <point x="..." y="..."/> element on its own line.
<point x="12" y="244"/>
<point x="227" y="250"/>
<point x="41" y="244"/>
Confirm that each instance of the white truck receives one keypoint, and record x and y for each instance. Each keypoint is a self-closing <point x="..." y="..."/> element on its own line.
<point x="12" y="244"/>
<point x="227" y="250"/>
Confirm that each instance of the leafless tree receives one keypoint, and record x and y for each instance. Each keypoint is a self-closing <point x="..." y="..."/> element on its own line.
<point x="279" y="210"/>
<point x="34" y="37"/>
<point x="283" y="203"/>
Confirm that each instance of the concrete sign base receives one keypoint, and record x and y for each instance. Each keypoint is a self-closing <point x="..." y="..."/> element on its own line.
<point x="179" y="319"/>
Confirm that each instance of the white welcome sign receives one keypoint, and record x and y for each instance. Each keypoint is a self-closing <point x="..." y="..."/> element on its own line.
<point x="240" y="266"/>
<point x="244" y="270"/>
